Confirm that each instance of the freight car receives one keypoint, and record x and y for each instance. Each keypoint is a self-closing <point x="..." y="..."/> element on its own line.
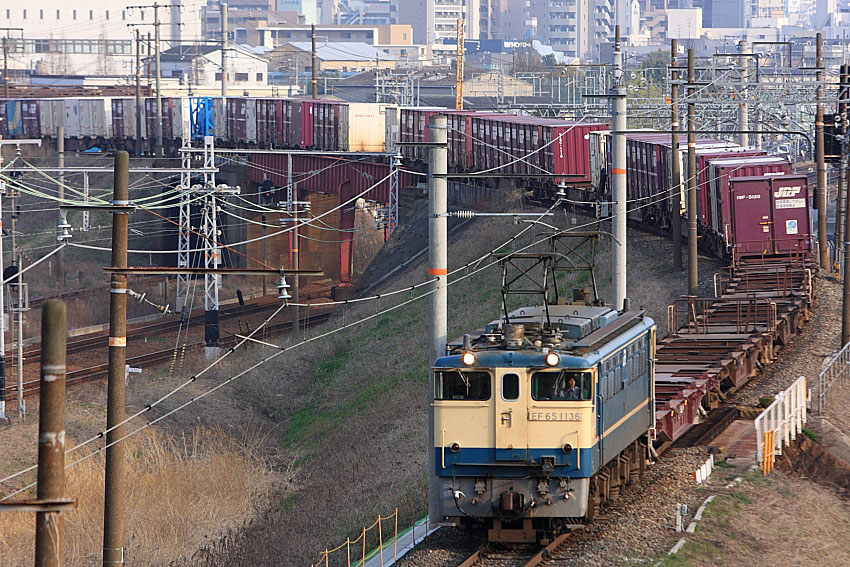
<point x="539" y="415"/>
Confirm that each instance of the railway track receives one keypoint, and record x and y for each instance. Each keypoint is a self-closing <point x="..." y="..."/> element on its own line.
<point x="100" y="339"/>
<point x="524" y="555"/>
<point x="101" y="371"/>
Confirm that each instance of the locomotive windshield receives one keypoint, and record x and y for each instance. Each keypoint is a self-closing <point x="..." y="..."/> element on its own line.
<point x="561" y="386"/>
<point x="460" y="385"/>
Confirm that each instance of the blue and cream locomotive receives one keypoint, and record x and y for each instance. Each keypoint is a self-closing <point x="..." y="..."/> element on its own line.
<point x="542" y="417"/>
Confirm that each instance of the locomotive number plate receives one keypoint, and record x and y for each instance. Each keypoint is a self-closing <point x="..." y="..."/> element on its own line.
<point x="554" y="416"/>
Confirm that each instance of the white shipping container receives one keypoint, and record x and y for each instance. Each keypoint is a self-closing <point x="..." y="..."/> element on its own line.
<point x="362" y="127"/>
<point x="72" y="117"/>
<point x="220" y="112"/>
<point x="52" y="111"/>
<point x="251" y="120"/>
<point x="180" y="117"/>
<point x="391" y="123"/>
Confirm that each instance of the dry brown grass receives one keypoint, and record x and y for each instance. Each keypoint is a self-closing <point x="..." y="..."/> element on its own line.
<point x="183" y="490"/>
<point x="775" y="522"/>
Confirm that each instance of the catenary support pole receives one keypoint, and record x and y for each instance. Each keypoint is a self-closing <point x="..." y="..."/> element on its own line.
<point x="744" y="51"/>
<point x="842" y="163"/>
<point x="3" y="417"/>
<point x="115" y="496"/>
<point x="675" y="160"/>
<point x="139" y="136"/>
<point x="618" y="170"/>
<point x="314" y="64"/>
<point x="49" y="529"/>
<point x="438" y="268"/>
<point x="60" y="150"/>
<point x="693" y="267"/>
<point x="158" y="71"/>
<point x="22" y="408"/>
<point x="823" y="249"/>
<point x="224" y="33"/>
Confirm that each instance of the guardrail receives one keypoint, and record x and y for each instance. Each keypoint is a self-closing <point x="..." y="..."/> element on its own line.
<point x="780" y="423"/>
<point x="837" y="369"/>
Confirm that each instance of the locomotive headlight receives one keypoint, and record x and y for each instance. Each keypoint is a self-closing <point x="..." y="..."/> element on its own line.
<point x="552" y="359"/>
<point x="567" y="449"/>
<point x="455" y="447"/>
<point x="468" y="358"/>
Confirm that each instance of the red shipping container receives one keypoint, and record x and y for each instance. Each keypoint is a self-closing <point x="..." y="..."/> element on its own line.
<point x="150" y="117"/>
<point x="769" y="215"/>
<point x="31" y="118"/>
<point x="721" y="172"/>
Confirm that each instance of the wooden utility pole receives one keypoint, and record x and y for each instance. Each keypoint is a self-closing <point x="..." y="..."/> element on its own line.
<point x="675" y="164"/>
<point x="115" y="497"/>
<point x="49" y="529"/>
<point x="693" y="267"/>
<point x="459" y="66"/>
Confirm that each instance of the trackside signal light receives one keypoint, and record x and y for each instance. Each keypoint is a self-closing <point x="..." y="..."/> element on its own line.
<point x="552" y="359"/>
<point x="468" y="358"/>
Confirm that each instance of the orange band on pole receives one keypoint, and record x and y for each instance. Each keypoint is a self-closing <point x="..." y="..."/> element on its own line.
<point x="438" y="272"/>
<point x="118" y="341"/>
<point x="619" y="171"/>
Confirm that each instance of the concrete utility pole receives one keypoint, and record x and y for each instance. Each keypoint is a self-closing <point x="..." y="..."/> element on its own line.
<point x="693" y="267"/>
<point x="820" y="204"/>
<point x="438" y="262"/>
<point x="224" y="49"/>
<point x="60" y="149"/>
<point x="618" y="170"/>
<point x="115" y="496"/>
<point x="314" y="63"/>
<point x="744" y="51"/>
<point x="845" y="319"/>
<point x="5" y="69"/>
<point x="138" y="95"/>
<point x="675" y="164"/>
<point x="158" y="76"/>
<point x="49" y="529"/>
<point x="842" y="164"/>
<point x="459" y="66"/>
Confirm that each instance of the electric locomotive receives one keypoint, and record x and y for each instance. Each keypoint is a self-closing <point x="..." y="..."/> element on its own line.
<point x="540" y="418"/>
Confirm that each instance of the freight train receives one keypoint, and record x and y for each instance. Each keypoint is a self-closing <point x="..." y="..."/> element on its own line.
<point x="556" y="157"/>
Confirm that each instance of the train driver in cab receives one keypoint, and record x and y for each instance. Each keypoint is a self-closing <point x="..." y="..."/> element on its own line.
<point x="569" y="390"/>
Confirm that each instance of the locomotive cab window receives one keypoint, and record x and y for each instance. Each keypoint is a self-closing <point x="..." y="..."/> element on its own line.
<point x="510" y="387"/>
<point x="561" y="386"/>
<point x="460" y="385"/>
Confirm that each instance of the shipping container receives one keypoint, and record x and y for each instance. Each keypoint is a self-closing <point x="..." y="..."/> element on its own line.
<point x="52" y="111"/>
<point x="237" y="119"/>
<point x="769" y="215"/>
<point x="721" y="171"/>
<point x="220" y="126"/>
<point x="71" y="107"/>
<point x="168" y="123"/>
<point x="31" y="118"/>
<point x="362" y="126"/>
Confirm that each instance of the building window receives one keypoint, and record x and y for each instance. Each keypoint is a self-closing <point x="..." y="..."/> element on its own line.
<point x="91" y="14"/>
<point x="74" y="15"/>
<point x="241" y="77"/>
<point x="404" y="35"/>
<point x="123" y="14"/>
<point x="57" y="14"/>
<point x="8" y="14"/>
<point x="25" y="14"/>
<point x="107" y="14"/>
<point x="218" y="76"/>
<point x="41" y="14"/>
<point x="259" y="77"/>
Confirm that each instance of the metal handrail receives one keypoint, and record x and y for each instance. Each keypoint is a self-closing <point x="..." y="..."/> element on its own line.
<point x="837" y="368"/>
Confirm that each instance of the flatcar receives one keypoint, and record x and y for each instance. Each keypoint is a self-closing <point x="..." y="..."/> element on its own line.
<point x="542" y="417"/>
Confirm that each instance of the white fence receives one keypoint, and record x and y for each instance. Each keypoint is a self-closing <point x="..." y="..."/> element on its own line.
<point x="837" y="369"/>
<point x="785" y="417"/>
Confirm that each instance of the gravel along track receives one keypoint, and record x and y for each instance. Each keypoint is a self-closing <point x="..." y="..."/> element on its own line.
<point x="637" y="527"/>
<point x="807" y="352"/>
